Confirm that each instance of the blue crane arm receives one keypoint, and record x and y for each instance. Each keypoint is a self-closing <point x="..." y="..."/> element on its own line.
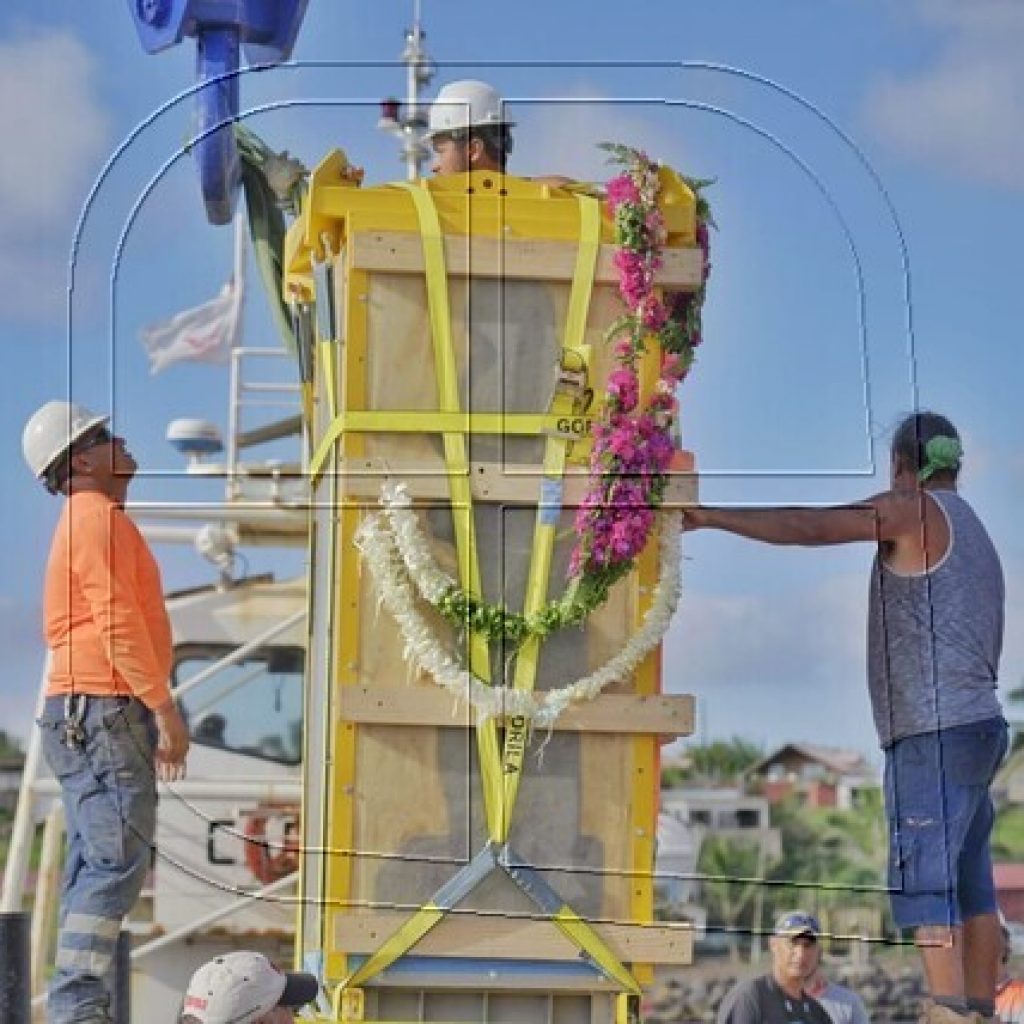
<point x="264" y="29"/>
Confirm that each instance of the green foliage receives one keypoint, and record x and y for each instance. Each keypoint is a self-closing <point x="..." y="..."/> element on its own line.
<point x="725" y="759"/>
<point x="1016" y="695"/>
<point x="720" y="761"/>
<point x="10" y="746"/>
<point x="266" y="226"/>
<point x="731" y="869"/>
<point x="1008" y="835"/>
<point x="6" y="828"/>
<point x="495" y="622"/>
<point x="674" y="775"/>
<point x="829" y="856"/>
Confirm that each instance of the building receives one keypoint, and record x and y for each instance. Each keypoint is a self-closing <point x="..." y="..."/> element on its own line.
<point x="817" y="776"/>
<point x="723" y="810"/>
<point x="1009" y="882"/>
<point x="689" y="815"/>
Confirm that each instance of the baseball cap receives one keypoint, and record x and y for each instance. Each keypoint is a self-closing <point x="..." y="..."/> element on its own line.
<point x="797" y="922"/>
<point x="241" y="987"/>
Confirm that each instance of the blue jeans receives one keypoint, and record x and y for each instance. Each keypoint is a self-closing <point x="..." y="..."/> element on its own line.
<point x="108" y="787"/>
<point x="940" y="820"/>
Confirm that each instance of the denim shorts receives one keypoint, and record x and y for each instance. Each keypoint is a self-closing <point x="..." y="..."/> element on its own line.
<point x="940" y="818"/>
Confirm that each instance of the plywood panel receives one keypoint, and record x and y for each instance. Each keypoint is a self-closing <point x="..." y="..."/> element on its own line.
<point x="523" y="938"/>
<point x="427" y="705"/>
<point x="533" y="259"/>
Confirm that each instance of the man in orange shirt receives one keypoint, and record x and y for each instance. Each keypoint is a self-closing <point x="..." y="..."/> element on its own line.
<point x="110" y="724"/>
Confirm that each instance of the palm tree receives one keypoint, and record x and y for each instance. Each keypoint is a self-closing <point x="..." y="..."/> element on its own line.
<point x="730" y="883"/>
<point x="724" y="759"/>
<point x="830" y="857"/>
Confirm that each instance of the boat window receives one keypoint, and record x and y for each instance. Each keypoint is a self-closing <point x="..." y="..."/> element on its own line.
<point x="252" y="707"/>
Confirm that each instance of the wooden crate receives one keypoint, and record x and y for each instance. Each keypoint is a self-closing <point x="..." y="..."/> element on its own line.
<point x="394" y="803"/>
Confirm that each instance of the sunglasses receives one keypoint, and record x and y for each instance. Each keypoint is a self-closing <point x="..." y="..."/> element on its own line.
<point x="95" y="440"/>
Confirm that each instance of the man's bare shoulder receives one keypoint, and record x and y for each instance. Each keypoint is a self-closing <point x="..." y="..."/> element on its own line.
<point x="898" y="512"/>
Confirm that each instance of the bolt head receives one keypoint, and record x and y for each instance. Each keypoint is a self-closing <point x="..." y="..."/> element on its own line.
<point x="153" y="12"/>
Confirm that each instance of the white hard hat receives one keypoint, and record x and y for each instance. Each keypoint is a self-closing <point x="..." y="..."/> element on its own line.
<point x="466" y="104"/>
<point x="241" y="987"/>
<point x="52" y="429"/>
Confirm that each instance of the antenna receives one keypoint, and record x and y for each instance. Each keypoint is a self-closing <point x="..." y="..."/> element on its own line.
<point x="408" y="122"/>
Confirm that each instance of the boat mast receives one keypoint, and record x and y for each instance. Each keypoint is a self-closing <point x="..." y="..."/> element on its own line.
<point x="408" y="122"/>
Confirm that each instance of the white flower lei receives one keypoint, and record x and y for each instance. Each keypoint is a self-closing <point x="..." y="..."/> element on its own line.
<point x="400" y="563"/>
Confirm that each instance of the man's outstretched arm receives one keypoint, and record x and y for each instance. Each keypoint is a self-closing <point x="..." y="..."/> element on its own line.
<point x="884" y="517"/>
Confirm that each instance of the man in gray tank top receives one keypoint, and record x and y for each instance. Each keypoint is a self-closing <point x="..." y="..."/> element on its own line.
<point x="935" y="632"/>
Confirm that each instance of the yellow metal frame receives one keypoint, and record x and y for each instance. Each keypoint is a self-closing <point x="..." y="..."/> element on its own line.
<point x="347" y="622"/>
<point x="333" y="201"/>
<point x="435" y="208"/>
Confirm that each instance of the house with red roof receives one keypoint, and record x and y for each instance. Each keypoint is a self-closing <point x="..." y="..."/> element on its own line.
<point x="818" y="776"/>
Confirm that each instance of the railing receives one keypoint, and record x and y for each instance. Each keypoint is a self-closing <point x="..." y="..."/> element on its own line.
<point x="238" y="388"/>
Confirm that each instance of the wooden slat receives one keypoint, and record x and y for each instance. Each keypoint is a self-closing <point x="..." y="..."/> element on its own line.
<point x="415" y="704"/>
<point x="398" y="252"/>
<point x="489" y="481"/>
<point x="515" y="938"/>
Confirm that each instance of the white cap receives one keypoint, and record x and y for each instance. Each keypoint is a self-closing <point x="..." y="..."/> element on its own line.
<point x="54" y="428"/>
<point x="241" y="987"/>
<point x="466" y="104"/>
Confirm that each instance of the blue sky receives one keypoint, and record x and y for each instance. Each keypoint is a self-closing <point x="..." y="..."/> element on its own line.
<point x="794" y="393"/>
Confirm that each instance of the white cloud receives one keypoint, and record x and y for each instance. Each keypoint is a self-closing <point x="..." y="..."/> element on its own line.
<point x="963" y="111"/>
<point x="55" y="132"/>
<point x="805" y="637"/>
<point x="54" y="127"/>
<point x="980" y="461"/>
<point x="35" y="278"/>
<point x="996" y="17"/>
<point x="566" y="131"/>
<point x="776" y="667"/>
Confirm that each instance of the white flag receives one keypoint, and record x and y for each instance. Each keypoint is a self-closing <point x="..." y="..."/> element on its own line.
<point x="206" y="333"/>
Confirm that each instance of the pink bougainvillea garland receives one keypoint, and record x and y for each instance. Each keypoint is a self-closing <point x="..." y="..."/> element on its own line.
<point x="633" y="437"/>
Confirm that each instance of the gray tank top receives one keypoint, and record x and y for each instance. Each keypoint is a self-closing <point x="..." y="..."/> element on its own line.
<point x="934" y="638"/>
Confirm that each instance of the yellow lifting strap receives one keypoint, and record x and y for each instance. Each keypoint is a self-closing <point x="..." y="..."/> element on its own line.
<point x="395" y="421"/>
<point x="581" y="934"/>
<point x="397" y="944"/>
<point x="457" y="465"/>
<point x="550" y="506"/>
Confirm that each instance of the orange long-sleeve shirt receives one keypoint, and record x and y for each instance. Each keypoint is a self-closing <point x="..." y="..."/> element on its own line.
<point x="105" y="620"/>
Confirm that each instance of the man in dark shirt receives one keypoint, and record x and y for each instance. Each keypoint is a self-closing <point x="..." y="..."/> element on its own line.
<point x="936" y="619"/>
<point x="779" y="997"/>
